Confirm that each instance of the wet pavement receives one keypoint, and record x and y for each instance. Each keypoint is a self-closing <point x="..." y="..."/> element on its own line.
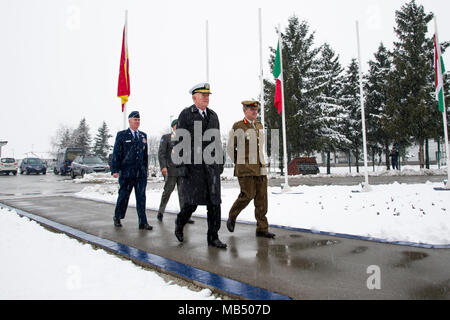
<point x="295" y="264"/>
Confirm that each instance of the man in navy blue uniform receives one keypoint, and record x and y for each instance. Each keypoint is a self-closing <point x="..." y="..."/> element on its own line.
<point x="129" y="163"/>
<point x="200" y="181"/>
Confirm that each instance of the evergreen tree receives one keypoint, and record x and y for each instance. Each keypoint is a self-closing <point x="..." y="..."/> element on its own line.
<point x="81" y="137"/>
<point x="376" y="89"/>
<point x="350" y="97"/>
<point x="327" y="102"/>
<point x="101" y="142"/>
<point x="409" y="87"/>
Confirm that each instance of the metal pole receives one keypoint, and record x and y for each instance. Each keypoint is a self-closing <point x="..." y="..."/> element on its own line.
<point x="125" y="126"/>
<point x="261" y="74"/>
<point x="366" y="186"/>
<point x="286" y="182"/>
<point x="444" y="114"/>
<point x="207" y="52"/>
<point x="261" y="80"/>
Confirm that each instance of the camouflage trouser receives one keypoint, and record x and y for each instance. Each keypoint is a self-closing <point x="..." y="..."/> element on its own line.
<point x="252" y="188"/>
<point x="169" y="186"/>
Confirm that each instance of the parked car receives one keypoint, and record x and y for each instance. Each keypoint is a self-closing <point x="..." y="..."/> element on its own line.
<point x="88" y="164"/>
<point x="303" y="166"/>
<point x="64" y="160"/>
<point x="33" y="165"/>
<point x="8" y="165"/>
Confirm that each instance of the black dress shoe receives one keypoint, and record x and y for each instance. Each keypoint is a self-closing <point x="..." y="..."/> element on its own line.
<point x="217" y="243"/>
<point x="117" y="222"/>
<point x="145" y="226"/>
<point x="191" y="221"/>
<point x="160" y="216"/>
<point x="265" y="234"/>
<point x="179" y="233"/>
<point x="230" y="224"/>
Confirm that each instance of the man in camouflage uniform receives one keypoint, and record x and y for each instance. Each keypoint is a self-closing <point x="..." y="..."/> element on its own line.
<point x="246" y="148"/>
<point x="169" y="171"/>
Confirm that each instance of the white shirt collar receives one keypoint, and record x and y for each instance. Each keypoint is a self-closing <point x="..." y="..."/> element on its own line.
<point x="251" y="122"/>
<point x="200" y="110"/>
<point x="133" y="132"/>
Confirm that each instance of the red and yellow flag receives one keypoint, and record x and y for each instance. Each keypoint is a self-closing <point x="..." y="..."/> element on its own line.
<point x="123" y="89"/>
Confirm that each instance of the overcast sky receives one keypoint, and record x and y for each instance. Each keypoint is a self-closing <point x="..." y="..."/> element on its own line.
<point x="60" y="58"/>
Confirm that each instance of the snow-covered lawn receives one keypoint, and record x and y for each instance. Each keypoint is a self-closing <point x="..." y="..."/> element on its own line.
<point x="39" y="264"/>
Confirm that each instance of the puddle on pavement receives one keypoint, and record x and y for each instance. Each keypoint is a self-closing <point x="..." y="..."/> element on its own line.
<point x="434" y="292"/>
<point x="359" y="250"/>
<point x="409" y="257"/>
<point x="285" y="253"/>
<point x="302" y="245"/>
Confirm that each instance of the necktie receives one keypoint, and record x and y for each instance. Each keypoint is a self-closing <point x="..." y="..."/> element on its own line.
<point x="204" y="114"/>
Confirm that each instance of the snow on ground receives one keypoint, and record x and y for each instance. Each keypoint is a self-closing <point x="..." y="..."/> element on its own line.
<point x="395" y="212"/>
<point x="39" y="264"/>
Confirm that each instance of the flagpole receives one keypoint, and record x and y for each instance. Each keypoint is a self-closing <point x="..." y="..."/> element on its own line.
<point x="286" y="182"/>
<point x="261" y="80"/>
<point x="366" y="186"/>
<point x="126" y="48"/>
<point x="444" y="114"/>
<point x="207" y="52"/>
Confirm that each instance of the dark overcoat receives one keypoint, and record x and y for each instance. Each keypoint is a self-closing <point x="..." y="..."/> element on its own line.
<point x="200" y="181"/>
<point x="130" y="156"/>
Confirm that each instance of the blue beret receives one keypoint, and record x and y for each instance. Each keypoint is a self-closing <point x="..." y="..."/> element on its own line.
<point x="174" y="122"/>
<point x="134" y="114"/>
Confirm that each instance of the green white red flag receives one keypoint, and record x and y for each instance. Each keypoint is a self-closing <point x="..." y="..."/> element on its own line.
<point x="277" y="73"/>
<point x="439" y="71"/>
<point x="123" y="88"/>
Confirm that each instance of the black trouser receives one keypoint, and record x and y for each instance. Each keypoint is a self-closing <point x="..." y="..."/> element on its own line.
<point x="213" y="217"/>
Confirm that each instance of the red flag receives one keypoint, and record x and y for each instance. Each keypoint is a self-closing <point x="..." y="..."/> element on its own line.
<point x="123" y="89"/>
<point x="278" y="101"/>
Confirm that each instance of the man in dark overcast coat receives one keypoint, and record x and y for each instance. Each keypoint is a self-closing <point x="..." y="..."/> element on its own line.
<point x="201" y="178"/>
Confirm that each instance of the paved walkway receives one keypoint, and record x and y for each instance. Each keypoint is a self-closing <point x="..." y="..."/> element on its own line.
<point x="295" y="264"/>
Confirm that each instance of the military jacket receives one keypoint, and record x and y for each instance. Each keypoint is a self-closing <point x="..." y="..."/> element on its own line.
<point x="130" y="155"/>
<point x="165" y="154"/>
<point x="245" y="147"/>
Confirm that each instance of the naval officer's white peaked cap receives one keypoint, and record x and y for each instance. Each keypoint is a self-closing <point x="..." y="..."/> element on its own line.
<point x="202" y="87"/>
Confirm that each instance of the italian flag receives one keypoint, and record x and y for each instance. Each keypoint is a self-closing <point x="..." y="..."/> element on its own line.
<point x="277" y="73"/>
<point x="123" y="88"/>
<point x="439" y="71"/>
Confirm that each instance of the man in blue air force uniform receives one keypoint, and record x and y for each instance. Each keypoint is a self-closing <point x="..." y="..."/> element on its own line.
<point x="129" y="163"/>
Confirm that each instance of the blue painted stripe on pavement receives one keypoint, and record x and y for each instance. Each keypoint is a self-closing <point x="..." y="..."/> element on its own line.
<point x="224" y="284"/>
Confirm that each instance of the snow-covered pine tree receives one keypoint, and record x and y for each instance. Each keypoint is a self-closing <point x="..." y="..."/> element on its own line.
<point x="81" y="137"/>
<point x="299" y="58"/>
<point x="328" y="87"/>
<point x="376" y="87"/>
<point x="101" y="142"/>
<point x="409" y="90"/>
<point x="350" y="97"/>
